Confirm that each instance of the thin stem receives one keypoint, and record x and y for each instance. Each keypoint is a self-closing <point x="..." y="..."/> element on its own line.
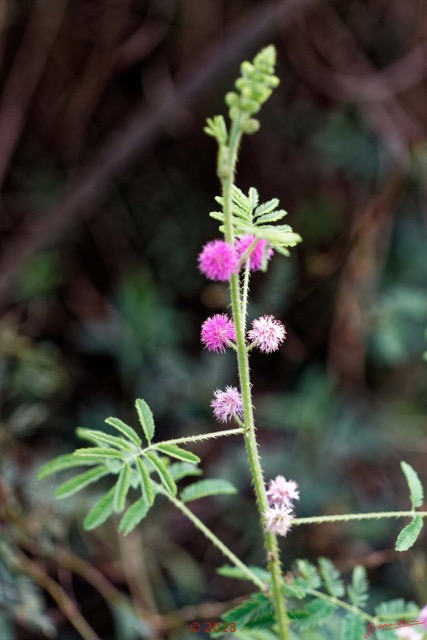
<point x="215" y="540"/>
<point x="202" y="436"/>
<point x="359" y="516"/>
<point x="270" y="541"/>
<point x="344" y="605"/>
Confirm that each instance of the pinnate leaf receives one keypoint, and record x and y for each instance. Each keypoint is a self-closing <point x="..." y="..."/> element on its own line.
<point x="163" y="473"/>
<point x="100" y="512"/>
<point x="409" y="534"/>
<point x="415" y="487"/>
<point x="125" y="429"/>
<point x="205" y="488"/>
<point x="79" y="482"/>
<point x="121" y="489"/>
<point x="133" y="516"/>
<point x="146" y="419"/>
<point x="176" y="452"/>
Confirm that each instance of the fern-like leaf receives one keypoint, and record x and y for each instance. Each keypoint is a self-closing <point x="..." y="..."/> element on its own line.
<point x="205" y="488"/>
<point x="331" y="578"/>
<point x="409" y="534"/>
<point x="358" y="591"/>
<point x="414" y="483"/>
<point x="100" y="512"/>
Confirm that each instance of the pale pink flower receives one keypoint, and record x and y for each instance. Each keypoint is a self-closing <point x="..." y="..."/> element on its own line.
<point x="267" y="333"/>
<point x="217" y="332"/>
<point x="257" y="254"/>
<point x="423" y="616"/>
<point x="407" y="633"/>
<point x="227" y="404"/>
<point x="278" y="520"/>
<point x="282" y="492"/>
<point x="218" y="260"/>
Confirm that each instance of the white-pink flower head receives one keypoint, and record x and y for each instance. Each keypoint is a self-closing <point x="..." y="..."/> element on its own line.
<point x="282" y="492"/>
<point x="261" y="249"/>
<point x="423" y="616"/>
<point x="218" y="260"/>
<point x="406" y="633"/>
<point x="267" y="333"/>
<point x="278" y="520"/>
<point x="227" y="404"/>
<point x="217" y="332"/>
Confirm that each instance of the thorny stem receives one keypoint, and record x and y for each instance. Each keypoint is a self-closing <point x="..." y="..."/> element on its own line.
<point x="200" y="437"/>
<point x="226" y="175"/>
<point x="359" y="516"/>
<point x="245" y="293"/>
<point x="215" y="540"/>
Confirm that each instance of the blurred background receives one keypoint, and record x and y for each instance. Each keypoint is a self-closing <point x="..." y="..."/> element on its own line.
<point x="107" y="180"/>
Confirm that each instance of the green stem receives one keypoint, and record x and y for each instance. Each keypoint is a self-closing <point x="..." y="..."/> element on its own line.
<point x="245" y="293"/>
<point x="344" y="605"/>
<point x="270" y="541"/>
<point x="215" y="540"/>
<point x="202" y="436"/>
<point x="359" y="516"/>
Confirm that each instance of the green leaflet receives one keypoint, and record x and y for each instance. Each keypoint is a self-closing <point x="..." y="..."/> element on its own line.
<point x="100" y="438"/>
<point x="176" y="452"/>
<point x="125" y="429"/>
<point x="205" y="488"/>
<point x="358" y="591"/>
<point x="409" y="534"/>
<point x="146" y="482"/>
<point x="133" y="516"/>
<point x="415" y="487"/>
<point x="65" y="461"/>
<point x="331" y="578"/>
<point x="252" y="610"/>
<point x="319" y="611"/>
<point x="100" y="512"/>
<point x="121" y="489"/>
<point x="307" y="575"/>
<point x="229" y="571"/>
<point x="180" y="470"/>
<point x="353" y="627"/>
<point x="163" y="473"/>
<point x="99" y="452"/>
<point x="80" y="481"/>
<point x="145" y="418"/>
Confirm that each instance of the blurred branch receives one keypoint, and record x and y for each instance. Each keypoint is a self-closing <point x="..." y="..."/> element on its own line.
<point x="25" y="74"/>
<point x="57" y="593"/>
<point x="137" y="135"/>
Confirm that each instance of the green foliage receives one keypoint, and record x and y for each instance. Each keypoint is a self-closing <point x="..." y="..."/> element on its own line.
<point x="236" y="573"/>
<point x="134" y="515"/>
<point x="145" y="418"/>
<point x="205" y="488"/>
<point x="358" y="591"/>
<point x="101" y="511"/>
<point x="353" y="627"/>
<point x="122" y="488"/>
<point x="255" y="611"/>
<point x="409" y="534"/>
<point x="125" y="429"/>
<point x="331" y="578"/>
<point x="79" y="482"/>
<point x="174" y="451"/>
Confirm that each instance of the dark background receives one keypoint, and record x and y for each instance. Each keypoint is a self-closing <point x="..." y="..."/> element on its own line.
<point x="107" y="181"/>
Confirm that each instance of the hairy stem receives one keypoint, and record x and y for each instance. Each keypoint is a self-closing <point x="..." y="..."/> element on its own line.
<point x="215" y="540"/>
<point x="359" y="516"/>
<point x="200" y="437"/>
<point x="270" y="542"/>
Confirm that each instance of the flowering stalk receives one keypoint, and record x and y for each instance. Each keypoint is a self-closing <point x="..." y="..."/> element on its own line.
<point x="226" y="174"/>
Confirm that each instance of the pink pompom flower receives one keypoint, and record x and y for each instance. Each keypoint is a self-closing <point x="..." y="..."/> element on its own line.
<point x="267" y="333"/>
<point x="278" y="520"/>
<point x="406" y="633"/>
<point x="218" y="260"/>
<point x="282" y="492"/>
<point x="227" y="404"/>
<point x="217" y="332"/>
<point x="257" y="254"/>
<point x="423" y="616"/>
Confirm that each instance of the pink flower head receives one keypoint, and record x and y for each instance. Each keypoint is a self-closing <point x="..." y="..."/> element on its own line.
<point x="217" y="332"/>
<point x="227" y="404"/>
<point x="406" y="633"/>
<point x="267" y="333"/>
<point x="423" y="616"/>
<point x="278" y="520"/>
<point x="282" y="492"/>
<point x="257" y="254"/>
<point x="218" y="260"/>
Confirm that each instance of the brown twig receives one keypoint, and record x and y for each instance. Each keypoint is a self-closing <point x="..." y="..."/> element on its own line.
<point x="137" y="135"/>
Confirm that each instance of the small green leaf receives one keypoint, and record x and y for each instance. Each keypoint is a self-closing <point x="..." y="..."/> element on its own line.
<point x="100" y="438"/>
<point x="229" y="571"/>
<point x="308" y="576"/>
<point x="146" y="418"/>
<point x="205" y="488"/>
<point x="98" y="452"/>
<point x="353" y="628"/>
<point x="409" y="534"/>
<point x="125" y="429"/>
<point x="66" y="461"/>
<point x="266" y="207"/>
<point x="180" y="470"/>
<point x="79" y="482"/>
<point x="331" y="578"/>
<point x="176" y="452"/>
<point x="359" y="588"/>
<point x="133" y="516"/>
<point x="414" y="484"/>
<point x="100" y="512"/>
<point x="146" y="482"/>
<point x="121" y="489"/>
<point x="274" y="216"/>
<point x="319" y="611"/>
<point x="250" y="611"/>
<point x="163" y="473"/>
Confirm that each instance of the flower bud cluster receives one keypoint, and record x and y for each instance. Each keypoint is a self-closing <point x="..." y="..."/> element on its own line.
<point x="254" y="87"/>
<point x="219" y="260"/>
<point x="281" y="494"/>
